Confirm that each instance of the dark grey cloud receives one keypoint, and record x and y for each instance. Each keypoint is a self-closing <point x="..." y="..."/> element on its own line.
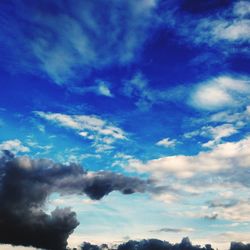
<point x="171" y="230"/>
<point x="239" y="246"/>
<point x="223" y="204"/>
<point x="211" y="217"/>
<point x="151" y="244"/>
<point x="26" y="183"/>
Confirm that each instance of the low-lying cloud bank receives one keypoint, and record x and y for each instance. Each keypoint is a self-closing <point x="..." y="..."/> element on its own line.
<point x="155" y="244"/>
<point x="26" y="183"/>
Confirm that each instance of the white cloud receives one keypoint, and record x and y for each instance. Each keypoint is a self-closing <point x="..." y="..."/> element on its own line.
<point x="100" y="87"/>
<point x="223" y="156"/>
<point x="242" y="8"/>
<point x="236" y="212"/>
<point x="166" y="142"/>
<point x="239" y="30"/>
<point x="104" y="90"/>
<point x="15" y="146"/>
<point x="216" y="133"/>
<point x="79" y="37"/>
<point x="220" y="92"/>
<point x="91" y="127"/>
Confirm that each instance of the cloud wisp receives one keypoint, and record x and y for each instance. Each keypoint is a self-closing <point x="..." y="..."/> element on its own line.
<point x="91" y="127"/>
<point x="65" y="38"/>
<point x="25" y="185"/>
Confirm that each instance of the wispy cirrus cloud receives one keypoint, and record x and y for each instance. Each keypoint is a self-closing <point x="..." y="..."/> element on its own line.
<point x="15" y="146"/>
<point x="166" y="142"/>
<point x="64" y="39"/>
<point x="100" y="87"/>
<point x="93" y="128"/>
<point x="223" y="156"/>
<point x="145" y="96"/>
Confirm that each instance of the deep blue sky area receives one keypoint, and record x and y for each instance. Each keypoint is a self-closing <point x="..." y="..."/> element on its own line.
<point x="154" y="90"/>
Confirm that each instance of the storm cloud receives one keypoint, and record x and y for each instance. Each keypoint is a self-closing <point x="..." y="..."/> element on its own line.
<point x="151" y="244"/>
<point x="26" y="183"/>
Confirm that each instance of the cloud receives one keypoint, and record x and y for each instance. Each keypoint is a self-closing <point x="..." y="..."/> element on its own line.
<point x="25" y="185"/>
<point x="104" y="90"/>
<point x="90" y="127"/>
<point x="223" y="26"/>
<point x="173" y="230"/>
<point x="138" y="88"/>
<point x="166" y="142"/>
<point x="67" y="40"/>
<point x="220" y="92"/>
<point x="215" y="133"/>
<point x="222" y="157"/>
<point x="239" y="246"/>
<point x="15" y="146"/>
<point x="150" y="244"/>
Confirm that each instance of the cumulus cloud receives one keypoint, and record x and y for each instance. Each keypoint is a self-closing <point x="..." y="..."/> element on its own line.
<point x="15" y="146"/>
<point x="138" y="88"/>
<point x="224" y="156"/>
<point x="66" y="38"/>
<point x="220" y="92"/>
<point x="166" y="142"/>
<point x="26" y="183"/>
<point x="215" y="133"/>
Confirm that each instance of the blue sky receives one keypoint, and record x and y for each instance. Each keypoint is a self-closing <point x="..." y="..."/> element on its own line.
<point x="154" y="89"/>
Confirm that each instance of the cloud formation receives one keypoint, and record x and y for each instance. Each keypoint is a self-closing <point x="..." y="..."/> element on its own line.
<point x="14" y="146"/>
<point x="223" y="23"/>
<point x="65" y="38"/>
<point x="151" y="244"/>
<point x="224" y="156"/>
<point x="91" y="127"/>
<point x="26" y="183"/>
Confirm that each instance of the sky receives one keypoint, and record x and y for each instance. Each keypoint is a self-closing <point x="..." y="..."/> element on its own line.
<point x="135" y="114"/>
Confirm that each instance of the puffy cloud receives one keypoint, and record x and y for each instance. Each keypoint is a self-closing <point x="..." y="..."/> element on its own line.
<point x="100" y="87"/>
<point x="224" y="156"/>
<point x="166" y="142"/>
<point x="25" y="185"/>
<point x="220" y="92"/>
<point x="173" y="230"/>
<point x="15" y="146"/>
<point x="223" y="24"/>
